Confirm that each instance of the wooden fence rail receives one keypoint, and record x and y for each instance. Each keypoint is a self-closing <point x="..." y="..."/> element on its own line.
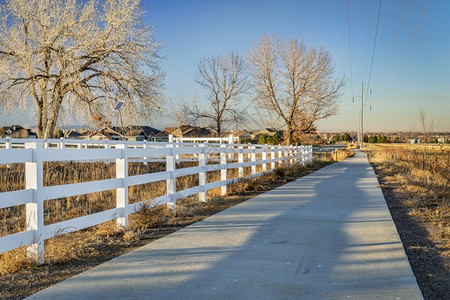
<point x="33" y="153"/>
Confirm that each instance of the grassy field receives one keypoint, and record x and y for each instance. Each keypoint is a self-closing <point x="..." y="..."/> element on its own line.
<point x="75" y="252"/>
<point x="416" y="184"/>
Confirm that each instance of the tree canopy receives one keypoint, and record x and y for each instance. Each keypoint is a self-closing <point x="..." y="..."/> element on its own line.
<point x="77" y="56"/>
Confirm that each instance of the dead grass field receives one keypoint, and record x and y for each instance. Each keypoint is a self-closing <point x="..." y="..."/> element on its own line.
<point x="76" y="252"/>
<point x="416" y="184"/>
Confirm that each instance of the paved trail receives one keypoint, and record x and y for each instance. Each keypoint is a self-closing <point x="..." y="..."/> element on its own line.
<point x="328" y="235"/>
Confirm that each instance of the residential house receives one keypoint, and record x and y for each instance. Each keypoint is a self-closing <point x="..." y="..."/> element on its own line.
<point x="183" y="131"/>
<point x="266" y="132"/>
<point x="17" y="131"/>
<point x="242" y="136"/>
<point x="129" y="133"/>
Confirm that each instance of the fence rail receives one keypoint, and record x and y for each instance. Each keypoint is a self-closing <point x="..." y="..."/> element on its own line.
<point x="33" y="153"/>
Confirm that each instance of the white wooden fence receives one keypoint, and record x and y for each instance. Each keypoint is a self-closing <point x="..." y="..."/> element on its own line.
<point x="33" y="153"/>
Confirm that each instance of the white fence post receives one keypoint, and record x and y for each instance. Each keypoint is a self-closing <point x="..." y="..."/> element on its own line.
<point x="253" y="159"/>
<point x="280" y="156"/>
<point x="291" y="155"/>
<point x="241" y="161"/>
<point x="8" y="146"/>
<point x="310" y="154"/>
<point x="62" y="143"/>
<point x="272" y="157"/>
<point x="302" y="155"/>
<point x="231" y="143"/>
<point x="145" y="146"/>
<point x="223" y="168"/>
<point x="286" y="155"/>
<point x="35" y="210"/>
<point x="122" y="192"/>
<point x="171" y="183"/>
<point x="264" y="158"/>
<point x="202" y="174"/>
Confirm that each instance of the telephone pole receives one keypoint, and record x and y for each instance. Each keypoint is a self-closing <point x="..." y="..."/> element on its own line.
<point x="361" y="115"/>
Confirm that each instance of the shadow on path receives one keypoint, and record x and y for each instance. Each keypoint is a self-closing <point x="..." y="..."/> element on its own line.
<point x="328" y="235"/>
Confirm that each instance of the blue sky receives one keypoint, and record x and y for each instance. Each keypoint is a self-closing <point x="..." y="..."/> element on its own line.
<point x="191" y="30"/>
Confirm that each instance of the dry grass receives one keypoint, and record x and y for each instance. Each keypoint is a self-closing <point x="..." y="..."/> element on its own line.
<point x="75" y="252"/>
<point x="426" y="178"/>
<point x="416" y="184"/>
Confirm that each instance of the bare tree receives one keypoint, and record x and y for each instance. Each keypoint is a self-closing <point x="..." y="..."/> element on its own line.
<point x="81" y="56"/>
<point x="225" y="79"/>
<point x="294" y="82"/>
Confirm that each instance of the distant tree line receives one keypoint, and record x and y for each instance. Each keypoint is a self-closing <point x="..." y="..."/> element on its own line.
<point x="373" y="139"/>
<point x="345" y="137"/>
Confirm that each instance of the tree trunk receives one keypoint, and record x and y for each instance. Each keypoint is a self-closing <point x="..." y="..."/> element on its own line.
<point x="290" y="133"/>
<point x="219" y="129"/>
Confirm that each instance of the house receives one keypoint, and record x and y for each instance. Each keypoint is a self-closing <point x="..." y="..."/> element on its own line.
<point x="242" y="136"/>
<point x="17" y="131"/>
<point x="183" y="131"/>
<point x="129" y="133"/>
<point x="267" y="132"/>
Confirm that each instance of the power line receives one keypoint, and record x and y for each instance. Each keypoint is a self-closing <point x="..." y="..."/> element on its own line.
<point x="349" y="46"/>
<point x="410" y="45"/>
<point x="397" y="36"/>
<point x="374" y="45"/>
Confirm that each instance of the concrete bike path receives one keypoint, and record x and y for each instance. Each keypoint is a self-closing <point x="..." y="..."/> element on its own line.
<point x="328" y="235"/>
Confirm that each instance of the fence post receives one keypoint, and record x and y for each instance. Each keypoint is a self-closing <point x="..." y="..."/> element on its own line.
<point x="223" y="169"/>
<point x="171" y="182"/>
<point x="301" y="155"/>
<point x="35" y="209"/>
<point x="107" y="144"/>
<point x="122" y="192"/>
<point x="286" y="155"/>
<point x="264" y="158"/>
<point x="241" y="161"/>
<point x="231" y="143"/>
<point x="202" y="174"/>
<point x="253" y="159"/>
<point x="62" y="143"/>
<point x="291" y="154"/>
<point x="280" y="155"/>
<point x="8" y="146"/>
<point x="177" y="156"/>
<point x="145" y="146"/>
<point x="272" y="157"/>
<point x="310" y="154"/>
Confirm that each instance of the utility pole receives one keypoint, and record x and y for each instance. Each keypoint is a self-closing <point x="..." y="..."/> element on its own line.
<point x="361" y="113"/>
<point x="361" y="118"/>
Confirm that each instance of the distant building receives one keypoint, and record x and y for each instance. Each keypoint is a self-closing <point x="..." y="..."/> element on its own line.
<point x="17" y="131"/>
<point x="241" y="136"/>
<point x="183" y="131"/>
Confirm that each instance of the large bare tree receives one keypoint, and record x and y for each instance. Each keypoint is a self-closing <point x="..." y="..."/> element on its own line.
<point x="294" y="82"/>
<point x="78" y="56"/>
<point x="225" y="79"/>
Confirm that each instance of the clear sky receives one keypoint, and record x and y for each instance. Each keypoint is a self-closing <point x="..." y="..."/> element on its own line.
<point x="190" y="30"/>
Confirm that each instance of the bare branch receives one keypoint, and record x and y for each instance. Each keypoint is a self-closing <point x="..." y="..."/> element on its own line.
<point x="294" y="81"/>
<point x="55" y="53"/>
<point x="225" y="78"/>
